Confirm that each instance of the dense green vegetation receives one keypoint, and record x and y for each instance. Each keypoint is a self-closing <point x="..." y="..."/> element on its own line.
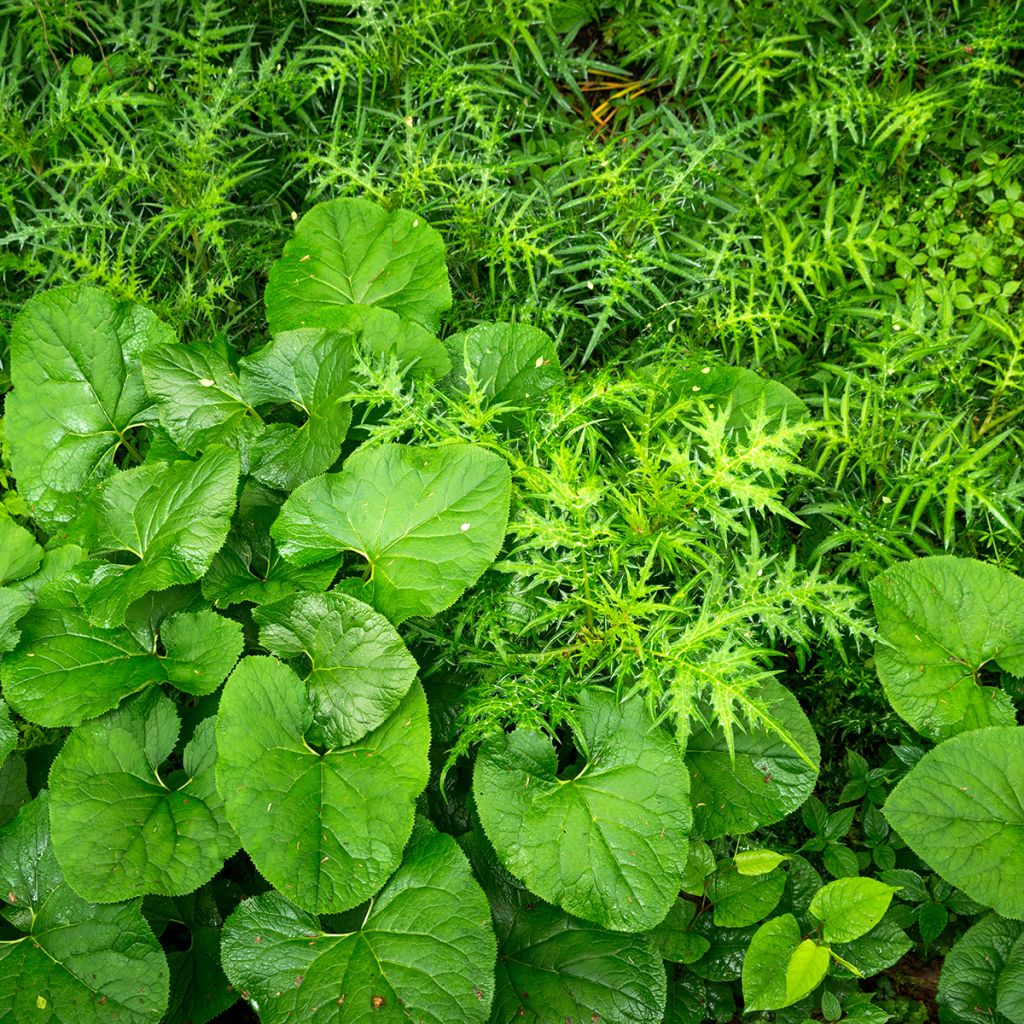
<point x="614" y="402"/>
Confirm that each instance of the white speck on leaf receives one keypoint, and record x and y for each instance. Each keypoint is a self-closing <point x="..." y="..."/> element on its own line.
<point x="464" y="527"/>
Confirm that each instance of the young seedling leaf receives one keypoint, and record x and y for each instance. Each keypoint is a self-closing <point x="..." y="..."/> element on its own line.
<point x="360" y="668"/>
<point x="940" y="620"/>
<point x="609" y="844"/>
<point x="350" y="251"/>
<point x="325" y="828"/>
<point x="850" y="907"/>
<point x="72" y="962"/>
<point x="119" y="829"/>
<point x="308" y="370"/>
<point x="78" y="391"/>
<point x="172" y="517"/>
<point x="961" y="810"/>
<point x="428" y="521"/>
<point x="766" y="780"/>
<point x="423" y="951"/>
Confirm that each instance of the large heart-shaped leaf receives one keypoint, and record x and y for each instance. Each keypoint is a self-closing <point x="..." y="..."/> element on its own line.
<point x="506" y="364"/>
<point x="1010" y="986"/>
<point x="199" y="988"/>
<point x="850" y="907"/>
<point x="607" y="844"/>
<point x="309" y="370"/>
<point x="66" y="670"/>
<point x="78" y="392"/>
<point x="350" y="251"/>
<point x="940" y="621"/>
<point x="552" y="966"/>
<point x="172" y="517"/>
<point x="325" y="828"/>
<point x="423" y="951"/>
<point x="199" y="397"/>
<point x="762" y="780"/>
<point x="961" y="810"/>
<point x="359" y="667"/>
<point x="428" y="520"/>
<point x="73" y="962"/>
<point x="249" y="567"/>
<point x="119" y="829"/>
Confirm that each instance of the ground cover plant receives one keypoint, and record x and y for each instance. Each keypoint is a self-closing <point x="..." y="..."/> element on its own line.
<point x="511" y="512"/>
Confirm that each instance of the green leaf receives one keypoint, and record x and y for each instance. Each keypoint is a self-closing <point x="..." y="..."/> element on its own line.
<point x="13" y="606"/>
<point x="932" y="919"/>
<point x="310" y="370"/>
<point x="886" y="944"/>
<point x="199" y="396"/>
<point x="79" y="962"/>
<point x="199" y="988"/>
<point x="507" y="364"/>
<point x="961" y="810"/>
<point x="552" y="966"/>
<point x="119" y="829"/>
<point x="78" y="391"/>
<point x="20" y="555"/>
<point x="765" y="781"/>
<point x="940" y="620"/>
<point x="608" y="845"/>
<point x="13" y="786"/>
<point x="840" y="861"/>
<point x="727" y="947"/>
<point x="969" y="983"/>
<point x="807" y="968"/>
<point x="1010" y="986"/>
<point x="66" y="670"/>
<point x="380" y="334"/>
<point x="359" y="667"/>
<point x="742" y="900"/>
<point x="758" y="862"/>
<point x="428" y="520"/>
<point x="424" y="950"/>
<point x="350" y="251"/>
<point x="850" y="907"/>
<point x="249" y="567"/>
<point x="700" y="862"/>
<point x="8" y="732"/>
<point x="172" y="517"/>
<point x="675" y="940"/>
<point x="770" y="951"/>
<point x="326" y="829"/>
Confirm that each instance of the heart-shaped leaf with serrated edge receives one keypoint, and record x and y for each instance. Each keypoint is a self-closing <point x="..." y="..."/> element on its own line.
<point x="779" y="969"/>
<point x="359" y="667"/>
<point x="119" y="829"/>
<point x="740" y="900"/>
<point x="78" y="392"/>
<point x="75" y="962"/>
<point x="350" y="251"/>
<point x="326" y="829"/>
<point x="1010" y="986"/>
<point x="249" y="567"/>
<point x="199" y="988"/>
<point x="309" y="370"/>
<point x="8" y="733"/>
<point x="505" y="364"/>
<point x="850" y="907"/>
<point x="674" y="938"/>
<point x="428" y="520"/>
<point x="961" y="810"/>
<point x="424" y="950"/>
<point x="608" y="845"/>
<point x="765" y="780"/>
<point x="199" y="396"/>
<point x="380" y="335"/>
<point x="172" y="516"/>
<point x="940" y="620"/>
<point x="66" y="670"/>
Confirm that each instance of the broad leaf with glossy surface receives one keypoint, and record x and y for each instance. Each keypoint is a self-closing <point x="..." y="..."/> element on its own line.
<point x="608" y="845"/>
<point x="325" y="828"/>
<point x="424" y="950"/>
